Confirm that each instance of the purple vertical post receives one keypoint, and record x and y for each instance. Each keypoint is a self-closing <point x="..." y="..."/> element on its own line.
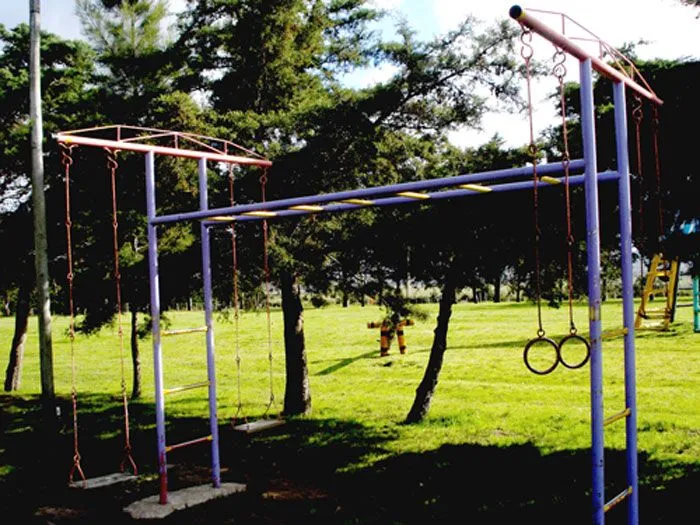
<point x="208" y="316"/>
<point x="625" y="196"/>
<point x="593" y="251"/>
<point x="153" y="282"/>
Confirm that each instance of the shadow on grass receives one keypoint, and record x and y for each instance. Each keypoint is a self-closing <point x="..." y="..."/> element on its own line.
<point x="345" y="362"/>
<point x="308" y="471"/>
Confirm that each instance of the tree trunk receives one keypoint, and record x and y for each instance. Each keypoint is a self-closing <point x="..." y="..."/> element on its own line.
<point x="497" y="288"/>
<point x="135" y="356"/>
<point x="426" y="389"/>
<point x="13" y="374"/>
<point x="297" y="394"/>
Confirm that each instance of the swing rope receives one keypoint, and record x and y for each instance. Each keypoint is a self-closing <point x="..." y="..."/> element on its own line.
<point x="559" y="71"/>
<point x="527" y="52"/>
<point x="236" y="309"/>
<point x="112" y="166"/>
<point x="266" y="272"/>
<point x="657" y="164"/>
<point x="637" y="117"/>
<point x="67" y="161"/>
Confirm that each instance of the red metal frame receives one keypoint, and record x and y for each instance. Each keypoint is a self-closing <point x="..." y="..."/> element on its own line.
<point x="133" y="138"/>
<point x="565" y="43"/>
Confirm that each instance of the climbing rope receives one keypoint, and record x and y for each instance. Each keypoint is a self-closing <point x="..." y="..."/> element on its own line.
<point x="112" y="166"/>
<point x="67" y="161"/>
<point x="559" y="72"/>
<point x="527" y="52"/>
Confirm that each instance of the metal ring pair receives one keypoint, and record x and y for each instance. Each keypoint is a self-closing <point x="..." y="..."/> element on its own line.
<point x="572" y="337"/>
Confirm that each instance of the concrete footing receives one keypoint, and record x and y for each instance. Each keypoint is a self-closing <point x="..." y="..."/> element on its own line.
<point x="150" y="508"/>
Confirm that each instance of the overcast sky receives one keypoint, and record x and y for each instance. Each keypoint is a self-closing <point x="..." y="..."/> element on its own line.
<point x="669" y="27"/>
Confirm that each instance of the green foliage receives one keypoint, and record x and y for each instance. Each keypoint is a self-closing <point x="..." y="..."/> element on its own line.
<point x="657" y="214"/>
<point x="128" y="38"/>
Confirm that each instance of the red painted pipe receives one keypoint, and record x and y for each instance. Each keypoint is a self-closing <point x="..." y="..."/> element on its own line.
<point x="559" y="40"/>
<point x="161" y="150"/>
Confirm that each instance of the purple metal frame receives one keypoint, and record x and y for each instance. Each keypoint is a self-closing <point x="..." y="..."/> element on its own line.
<point x="574" y="180"/>
<point x="598" y="421"/>
<point x="209" y="319"/>
<point x="405" y="193"/>
<point x="370" y="193"/>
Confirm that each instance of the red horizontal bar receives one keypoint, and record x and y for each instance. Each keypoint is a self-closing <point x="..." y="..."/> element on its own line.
<point x="617" y="499"/>
<point x="160" y="150"/>
<point x="559" y="40"/>
<point x="170" y="448"/>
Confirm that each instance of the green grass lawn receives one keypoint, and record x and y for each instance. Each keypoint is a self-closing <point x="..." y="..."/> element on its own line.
<point x="487" y="405"/>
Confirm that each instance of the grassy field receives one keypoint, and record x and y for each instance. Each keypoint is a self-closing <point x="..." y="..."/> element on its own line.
<point x="499" y="444"/>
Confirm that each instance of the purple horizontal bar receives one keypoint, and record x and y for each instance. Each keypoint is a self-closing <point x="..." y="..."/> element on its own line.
<point x="575" y="180"/>
<point x="366" y="193"/>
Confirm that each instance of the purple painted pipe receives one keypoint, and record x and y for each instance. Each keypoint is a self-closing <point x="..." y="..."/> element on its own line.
<point x="575" y="180"/>
<point x="594" y="295"/>
<point x="366" y="193"/>
<point x="154" y="286"/>
<point x="209" y="319"/>
<point x="628" y="313"/>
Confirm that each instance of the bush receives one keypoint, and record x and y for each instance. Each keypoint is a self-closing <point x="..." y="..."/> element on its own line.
<point x="319" y="301"/>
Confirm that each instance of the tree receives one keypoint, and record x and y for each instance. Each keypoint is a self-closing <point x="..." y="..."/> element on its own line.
<point x="662" y="202"/>
<point x="66" y="69"/>
<point x="18" y="271"/>
<point x="137" y="87"/>
<point x="428" y="385"/>
<point x="297" y="394"/>
<point x="694" y="3"/>
<point x="130" y="43"/>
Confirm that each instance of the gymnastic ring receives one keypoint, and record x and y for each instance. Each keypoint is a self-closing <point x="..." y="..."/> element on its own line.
<point x="574" y="337"/>
<point x="532" y="343"/>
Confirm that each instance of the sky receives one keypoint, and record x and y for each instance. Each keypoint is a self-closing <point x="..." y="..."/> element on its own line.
<point x="668" y="26"/>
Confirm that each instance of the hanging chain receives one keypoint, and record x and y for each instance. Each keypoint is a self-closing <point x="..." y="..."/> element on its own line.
<point x="112" y="166"/>
<point x="266" y="270"/>
<point x="67" y="161"/>
<point x="526" y="52"/>
<point x="559" y="72"/>
<point x="236" y="310"/>
<point x="657" y="165"/>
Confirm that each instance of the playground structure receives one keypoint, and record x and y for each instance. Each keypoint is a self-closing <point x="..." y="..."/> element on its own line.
<point x="127" y="468"/>
<point x="661" y="283"/>
<point x="387" y="328"/>
<point x="692" y="227"/>
<point x="150" y="143"/>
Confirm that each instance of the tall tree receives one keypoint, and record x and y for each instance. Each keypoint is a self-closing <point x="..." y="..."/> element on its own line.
<point x="65" y="70"/>
<point x="129" y="38"/>
<point x="137" y="89"/>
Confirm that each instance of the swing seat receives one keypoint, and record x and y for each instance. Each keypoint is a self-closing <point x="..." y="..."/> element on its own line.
<point x="253" y="427"/>
<point x="103" y="481"/>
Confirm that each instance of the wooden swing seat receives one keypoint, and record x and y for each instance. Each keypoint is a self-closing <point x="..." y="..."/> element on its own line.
<point x="102" y="481"/>
<point x="253" y="427"/>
